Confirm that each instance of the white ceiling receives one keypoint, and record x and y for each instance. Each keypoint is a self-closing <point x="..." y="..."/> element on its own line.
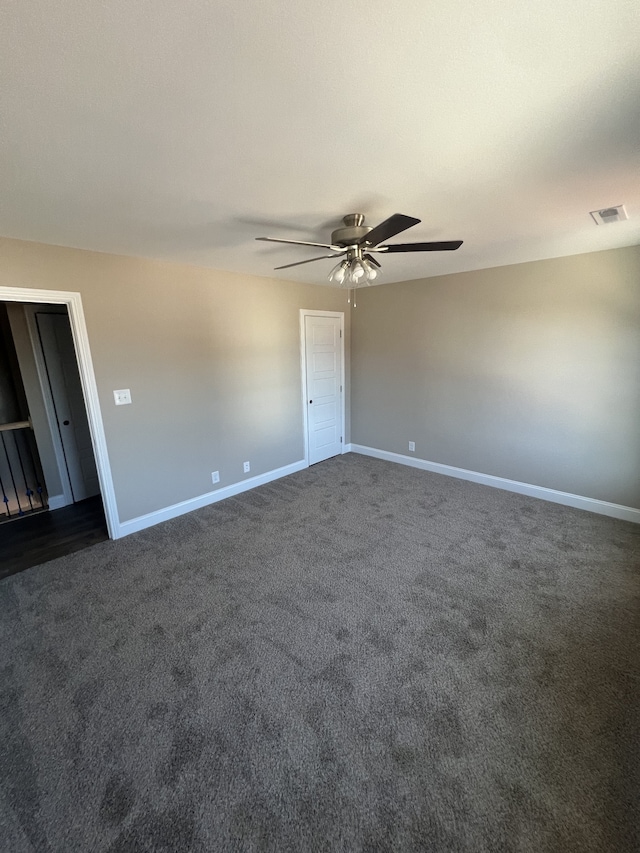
<point x="182" y="129"/>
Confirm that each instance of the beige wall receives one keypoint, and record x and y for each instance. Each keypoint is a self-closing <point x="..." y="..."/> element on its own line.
<point x="529" y="372"/>
<point x="212" y="360"/>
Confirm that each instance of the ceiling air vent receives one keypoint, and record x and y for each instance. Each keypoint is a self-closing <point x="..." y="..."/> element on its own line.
<point x="609" y="214"/>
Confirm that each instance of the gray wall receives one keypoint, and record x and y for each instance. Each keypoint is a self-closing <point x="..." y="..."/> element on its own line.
<point x="212" y="360"/>
<point x="529" y="372"/>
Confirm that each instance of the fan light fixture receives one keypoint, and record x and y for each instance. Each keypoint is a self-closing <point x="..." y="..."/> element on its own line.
<point x="353" y="272"/>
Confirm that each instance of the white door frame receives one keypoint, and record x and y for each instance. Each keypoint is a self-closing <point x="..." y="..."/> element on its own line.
<point x="73" y="301"/>
<point x="307" y="312"/>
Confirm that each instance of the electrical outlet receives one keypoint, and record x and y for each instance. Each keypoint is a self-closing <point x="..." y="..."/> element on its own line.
<point x="412" y="446"/>
<point x="215" y="477"/>
<point x="247" y="467"/>
<point x="122" y="397"/>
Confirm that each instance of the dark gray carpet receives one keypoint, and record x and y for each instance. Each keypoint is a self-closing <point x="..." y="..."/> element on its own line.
<point x="359" y="657"/>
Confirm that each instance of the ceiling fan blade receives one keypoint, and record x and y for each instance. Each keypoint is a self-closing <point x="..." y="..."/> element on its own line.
<point x="372" y="260"/>
<point x="387" y="229"/>
<point x="300" y="243"/>
<point x="309" y="261"/>
<point x="446" y="246"/>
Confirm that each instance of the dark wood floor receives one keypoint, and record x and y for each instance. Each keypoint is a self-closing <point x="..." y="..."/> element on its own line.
<point x="34" y="539"/>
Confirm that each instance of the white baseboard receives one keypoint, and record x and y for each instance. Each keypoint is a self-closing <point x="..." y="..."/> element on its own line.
<point x="57" y="501"/>
<point x="626" y="513"/>
<point x="348" y="448"/>
<point x="151" y="518"/>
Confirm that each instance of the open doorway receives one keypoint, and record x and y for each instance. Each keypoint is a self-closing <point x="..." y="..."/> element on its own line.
<point x="59" y="408"/>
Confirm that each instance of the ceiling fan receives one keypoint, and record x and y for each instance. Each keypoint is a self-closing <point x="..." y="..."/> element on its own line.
<point x="358" y="243"/>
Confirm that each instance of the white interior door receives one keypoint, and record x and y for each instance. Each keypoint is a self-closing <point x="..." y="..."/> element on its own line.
<point x="323" y="359"/>
<point x="66" y="391"/>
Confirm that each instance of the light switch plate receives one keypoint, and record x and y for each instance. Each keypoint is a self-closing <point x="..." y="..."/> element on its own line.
<point x="123" y="397"/>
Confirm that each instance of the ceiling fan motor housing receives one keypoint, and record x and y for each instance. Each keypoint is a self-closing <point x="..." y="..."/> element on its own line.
<point x="353" y="231"/>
